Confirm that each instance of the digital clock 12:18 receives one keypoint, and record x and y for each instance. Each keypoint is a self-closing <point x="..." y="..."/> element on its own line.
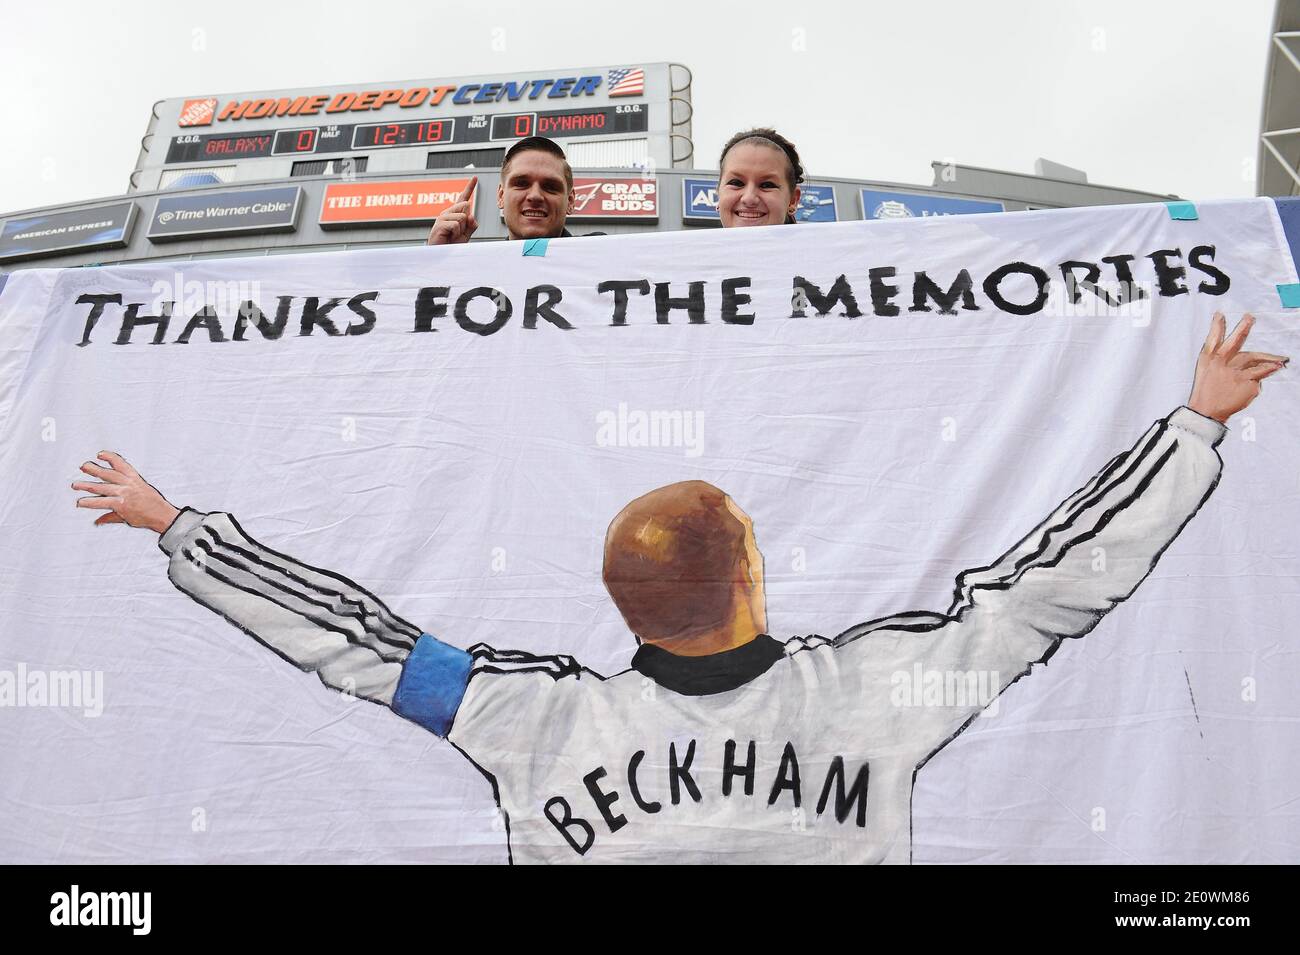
<point x="379" y="135"/>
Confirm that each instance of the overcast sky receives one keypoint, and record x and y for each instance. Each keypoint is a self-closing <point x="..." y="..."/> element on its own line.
<point x="1160" y="96"/>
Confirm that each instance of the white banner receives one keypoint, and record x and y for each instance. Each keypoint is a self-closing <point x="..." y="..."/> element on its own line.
<point x="451" y="431"/>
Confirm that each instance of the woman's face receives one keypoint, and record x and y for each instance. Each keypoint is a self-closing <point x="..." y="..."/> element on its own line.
<point x="753" y="188"/>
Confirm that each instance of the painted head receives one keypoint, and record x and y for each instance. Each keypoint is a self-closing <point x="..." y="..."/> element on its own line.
<point x="536" y="190"/>
<point x="684" y="569"/>
<point x="758" y="182"/>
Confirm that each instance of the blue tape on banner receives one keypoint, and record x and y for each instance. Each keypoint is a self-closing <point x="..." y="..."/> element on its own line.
<point x="535" y="246"/>
<point x="1290" y="295"/>
<point x="1181" y="210"/>
<point x="1288" y="211"/>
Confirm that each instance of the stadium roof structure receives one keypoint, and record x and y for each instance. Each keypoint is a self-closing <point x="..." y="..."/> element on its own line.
<point x="1279" y="128"/>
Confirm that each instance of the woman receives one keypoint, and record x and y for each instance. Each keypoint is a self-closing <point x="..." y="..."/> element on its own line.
<point x="759" y="179"/>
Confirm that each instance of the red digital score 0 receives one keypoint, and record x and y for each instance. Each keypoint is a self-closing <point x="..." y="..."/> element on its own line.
<point x="394" y="202"/>
<point x="304" y="141"/>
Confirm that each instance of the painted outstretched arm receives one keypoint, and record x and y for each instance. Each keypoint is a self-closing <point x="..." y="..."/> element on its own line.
<point x="316" y="619"/>
<point x="1089" y="555"/>
<point x="1094" y="550"/>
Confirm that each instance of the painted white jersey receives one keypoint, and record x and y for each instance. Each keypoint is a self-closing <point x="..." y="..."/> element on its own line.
<point x="802" y="751"/>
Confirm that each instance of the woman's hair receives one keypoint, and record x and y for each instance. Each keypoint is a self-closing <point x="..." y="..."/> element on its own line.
<point x="766" y="136"/>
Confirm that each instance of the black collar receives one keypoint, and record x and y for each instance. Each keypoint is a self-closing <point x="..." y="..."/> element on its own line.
<point x="714" y="673"/>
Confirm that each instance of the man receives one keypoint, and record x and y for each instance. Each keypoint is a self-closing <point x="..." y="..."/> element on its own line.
<point x="535" y="196"/>
<point x="720" y="743"/>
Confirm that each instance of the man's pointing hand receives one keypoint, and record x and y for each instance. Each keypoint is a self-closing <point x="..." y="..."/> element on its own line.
<point x="457" y="222"/>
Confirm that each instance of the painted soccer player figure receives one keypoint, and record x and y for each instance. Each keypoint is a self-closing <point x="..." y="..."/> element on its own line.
<point x="720" y="743"/>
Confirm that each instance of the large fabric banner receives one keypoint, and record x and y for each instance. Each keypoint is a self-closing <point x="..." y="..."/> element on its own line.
<point x="458" y="554"/>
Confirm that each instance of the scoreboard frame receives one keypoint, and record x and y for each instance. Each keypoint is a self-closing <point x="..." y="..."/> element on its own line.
<point x="476" y="129"/>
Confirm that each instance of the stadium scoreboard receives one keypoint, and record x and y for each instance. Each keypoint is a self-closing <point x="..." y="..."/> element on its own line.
<point x="472" y="130"/>
<point x="635" y="116"/>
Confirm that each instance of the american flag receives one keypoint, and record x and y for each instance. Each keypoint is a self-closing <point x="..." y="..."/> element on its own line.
<point x="627" y="82"/>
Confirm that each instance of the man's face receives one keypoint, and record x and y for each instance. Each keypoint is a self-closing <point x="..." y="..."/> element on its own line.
<point x="534" y="196"/>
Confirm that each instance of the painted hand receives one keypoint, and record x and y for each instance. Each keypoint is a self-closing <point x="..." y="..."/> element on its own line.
<point x="1227" y="378"/>
<point x="127" y="497"/>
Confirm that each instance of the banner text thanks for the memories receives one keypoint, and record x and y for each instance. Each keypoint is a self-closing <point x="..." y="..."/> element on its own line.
<point x="1111" y="282"/>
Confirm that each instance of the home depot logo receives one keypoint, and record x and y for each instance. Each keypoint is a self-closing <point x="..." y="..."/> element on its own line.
<point x="197" y="112"/>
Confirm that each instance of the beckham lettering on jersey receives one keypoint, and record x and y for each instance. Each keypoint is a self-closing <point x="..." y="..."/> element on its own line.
<point x="738" y="781"/>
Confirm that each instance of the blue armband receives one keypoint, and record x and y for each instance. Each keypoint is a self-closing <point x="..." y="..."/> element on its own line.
<point x="432" y="684"/>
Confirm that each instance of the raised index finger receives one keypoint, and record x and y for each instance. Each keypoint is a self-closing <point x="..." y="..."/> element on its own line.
<point x="468" y="190"/>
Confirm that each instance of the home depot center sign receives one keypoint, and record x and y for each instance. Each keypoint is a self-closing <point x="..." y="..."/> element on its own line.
<point x="206" y="111"/>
